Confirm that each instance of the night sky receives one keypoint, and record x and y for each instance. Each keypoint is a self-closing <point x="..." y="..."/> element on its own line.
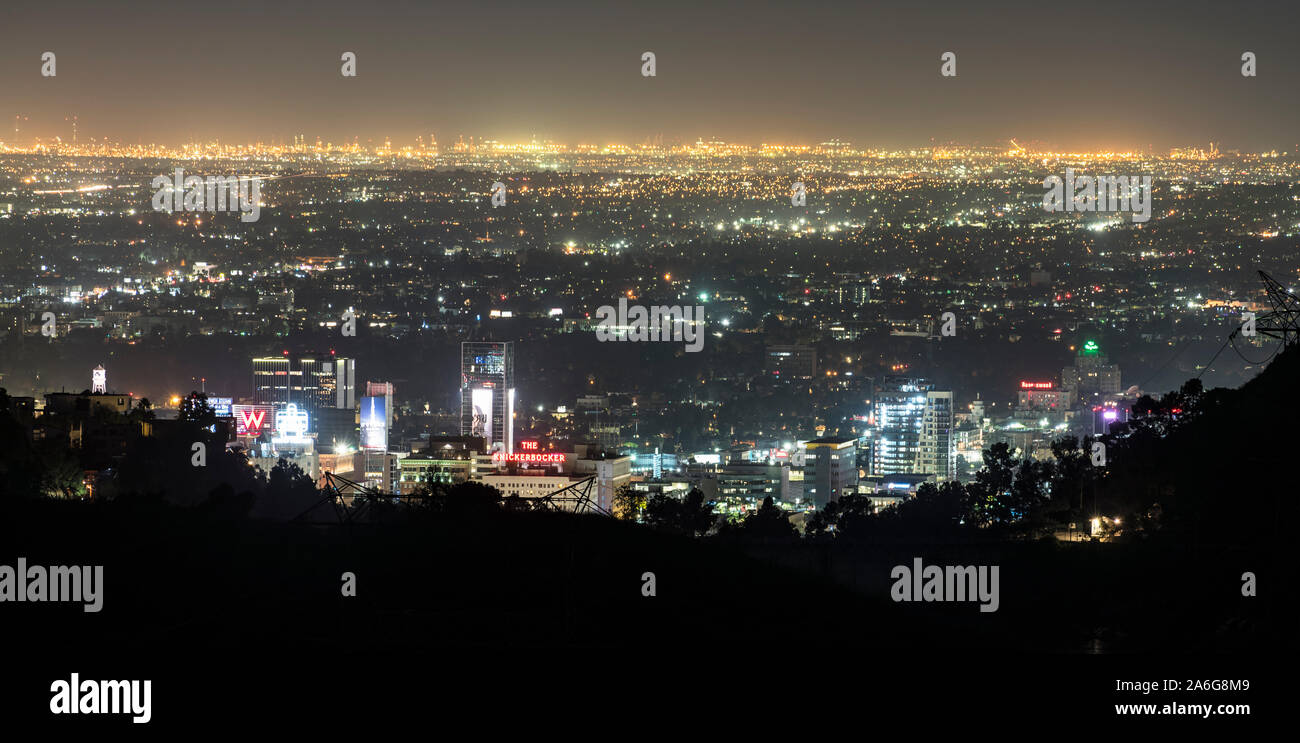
<point x="1064" y="76"/>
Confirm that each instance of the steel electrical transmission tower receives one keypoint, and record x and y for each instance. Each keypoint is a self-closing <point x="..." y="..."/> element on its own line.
<point x="1283" y="322"/>
<point x="575" y="498"/>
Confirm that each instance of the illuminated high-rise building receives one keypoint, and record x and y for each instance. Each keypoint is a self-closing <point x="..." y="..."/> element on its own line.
<point x="487" y="393"/>
<point x="937" y="455"/>
<point x="830" y="470"/>
<point x="313" y="383"/>
<point x="333" y="381"/>
<point x="913" y="425"/>
<point x="1091" y="376"/>
<point x="271" y="380"/>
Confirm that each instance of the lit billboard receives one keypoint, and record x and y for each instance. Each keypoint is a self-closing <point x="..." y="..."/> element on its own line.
<point x="490" y="363"/>
<point x="543" y="457"/>
<point x="481" y="400"/>
<point x="1026" y="384"/>
<point x="291" y="421"/>
<point x="253" y="420"/>
<point x="374" y="423"/>
<point x="221" y="406"/>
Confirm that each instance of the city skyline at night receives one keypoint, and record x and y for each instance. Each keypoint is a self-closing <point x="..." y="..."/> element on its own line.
<point x="736" y="355"/>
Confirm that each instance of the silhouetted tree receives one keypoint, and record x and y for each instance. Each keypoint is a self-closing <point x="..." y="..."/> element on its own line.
<point x="851" y="516"/>
<point x="223" y="504"/>
<point x="939" y="508"/>
<point x="1030" y="495"/>
<point x="466" y="500"/>
<point x="690" y="515"/>
<point x="60" y="472"/>
<point x="20" y="468"/>
<point x="823" y="520"/>
<point x="143" y="411"/>
<point x="162" y="465"/>
<point x="195" y="408"/>
<point x="855" y="517"/>
<point x="1072" y="477"/>
<point x="289" y="492"/>
<point x="769" y="521"/>
<point x="628" y="503"/>
<point x="1005" y="489"/>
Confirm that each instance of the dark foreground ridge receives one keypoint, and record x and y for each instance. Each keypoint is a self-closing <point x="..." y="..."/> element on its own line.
<point x="209" y="592"/>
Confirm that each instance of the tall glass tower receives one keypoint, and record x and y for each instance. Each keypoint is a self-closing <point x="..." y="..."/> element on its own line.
<point x="487" y="393"/>
<point x="313" y="383"/>
<point x="913" y="426"/>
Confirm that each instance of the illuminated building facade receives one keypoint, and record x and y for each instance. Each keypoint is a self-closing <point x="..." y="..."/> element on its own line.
<point x="791" y="362"/>
<point x="1040" y="395"/>
<point x="487" y="393"/>
<point x="914" y="429"/>
<point x="937" y="455"/>
<point x="746" y="485"/>
<point x="1091" y="375"/>
<point x="314" y="383"/>
<point x="831" y="469"/>
<point x="528" y="472"/>
<point x="433" y="468"/>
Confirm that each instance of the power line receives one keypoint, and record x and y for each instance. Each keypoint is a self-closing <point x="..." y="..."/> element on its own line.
<point x="1282" y="323"/>
<point x="1216" y="355"/>
<point x="1276" y="349"/>
<point x="1156" y="373"/>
